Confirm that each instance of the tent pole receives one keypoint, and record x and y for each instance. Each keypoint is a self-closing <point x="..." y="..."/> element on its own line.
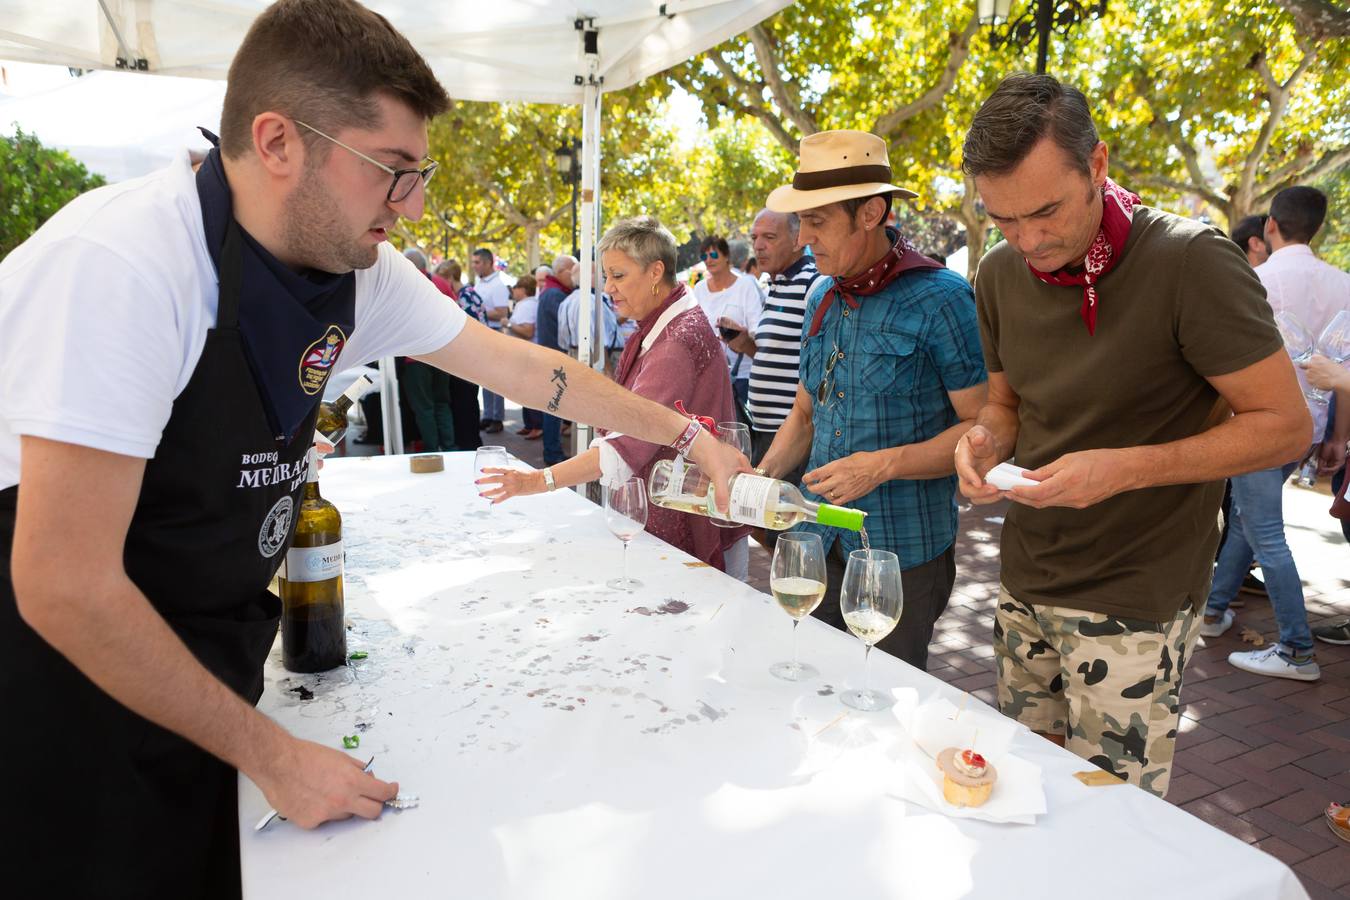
<point x="390" y="411"/>
<point x="589" y="337"/>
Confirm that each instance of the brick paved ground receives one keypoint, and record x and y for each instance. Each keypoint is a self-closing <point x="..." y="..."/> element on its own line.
<point x="1257" y="757"/>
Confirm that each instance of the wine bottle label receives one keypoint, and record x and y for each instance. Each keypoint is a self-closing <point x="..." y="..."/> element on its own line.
<point x="750" y="497"/>
<point x="313" y="563"/>
<point x="677" y="470"/>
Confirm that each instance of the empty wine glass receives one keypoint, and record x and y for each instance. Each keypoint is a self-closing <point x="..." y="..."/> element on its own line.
<point x="1298" y="340"/>
<point x="797" y="582"/>
<point x="871" y="599"/>
<point x="1334" y="344"/>
<point x="489" y="457"/>
<point x="626" y="515"/>
<point x="737" y="435"/>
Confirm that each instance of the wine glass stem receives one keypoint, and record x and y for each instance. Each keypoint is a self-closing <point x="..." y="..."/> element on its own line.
<point x="795" y="623"/>
<point x="867" y="653"/>
<point x="625" y="562"/>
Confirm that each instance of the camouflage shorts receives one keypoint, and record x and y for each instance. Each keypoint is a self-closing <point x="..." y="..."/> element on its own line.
<point x="1109" y="684"/>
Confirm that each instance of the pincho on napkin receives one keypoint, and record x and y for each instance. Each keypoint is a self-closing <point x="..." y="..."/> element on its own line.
<point x="1018" y="796"/>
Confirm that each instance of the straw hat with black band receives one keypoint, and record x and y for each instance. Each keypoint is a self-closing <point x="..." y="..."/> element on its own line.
<point x="835" y="166"/>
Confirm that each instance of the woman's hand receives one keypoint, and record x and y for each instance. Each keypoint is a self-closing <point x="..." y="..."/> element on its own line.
<point x="502" y="484"/>
<point x="1325" y="374"/>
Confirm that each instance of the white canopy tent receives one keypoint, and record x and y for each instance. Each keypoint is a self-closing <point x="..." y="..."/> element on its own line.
<point x="576" y="52"/>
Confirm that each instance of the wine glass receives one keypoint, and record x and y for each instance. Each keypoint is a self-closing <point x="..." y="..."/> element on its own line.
<point x="871" y="599"/>
<point x="797" y="582"/>
<point x="1298" y="341"/>
<point x="489" y="457"/>
<point x="626" y="515"/>
<point x="737" y="435"/>
<point x="1334" y="344"/>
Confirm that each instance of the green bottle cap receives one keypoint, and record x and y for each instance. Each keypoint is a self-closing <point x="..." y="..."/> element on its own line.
<point x="840" y="517"/>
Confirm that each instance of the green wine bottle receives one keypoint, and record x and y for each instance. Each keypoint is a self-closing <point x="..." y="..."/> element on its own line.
<point x="332" y="423"/>
<point x="313" y="630"/>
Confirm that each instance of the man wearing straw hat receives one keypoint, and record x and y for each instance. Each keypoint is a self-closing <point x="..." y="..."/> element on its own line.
<point x="891" y="377"/>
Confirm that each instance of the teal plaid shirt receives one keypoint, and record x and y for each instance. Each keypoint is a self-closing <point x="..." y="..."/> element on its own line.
<point x="902" y="350"/>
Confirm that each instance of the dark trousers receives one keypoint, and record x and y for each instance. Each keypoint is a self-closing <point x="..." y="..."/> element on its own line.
<point x="464" y="412"/>
<point x="532" y="418"/>
<point x="927" y="588"/>
<point x="428" y="392"/>
<point x="553" y="448"/>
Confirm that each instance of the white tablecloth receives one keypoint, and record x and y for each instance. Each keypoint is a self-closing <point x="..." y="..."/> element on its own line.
<point x="571" y="741"/>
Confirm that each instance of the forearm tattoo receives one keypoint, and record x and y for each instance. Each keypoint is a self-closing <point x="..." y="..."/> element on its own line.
<point x="560" y="379"/>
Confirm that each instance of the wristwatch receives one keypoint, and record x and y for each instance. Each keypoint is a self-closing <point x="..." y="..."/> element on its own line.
<point x="548" y="479"/>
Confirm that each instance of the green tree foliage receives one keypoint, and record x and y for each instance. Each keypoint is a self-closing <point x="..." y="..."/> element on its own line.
<point x="1210" y="106"/>
<point x="35" y="182"/>
<point x="499" y="184"/>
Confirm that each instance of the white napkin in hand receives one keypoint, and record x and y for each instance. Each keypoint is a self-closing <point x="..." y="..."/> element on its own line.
<point x="1018" y="796"/>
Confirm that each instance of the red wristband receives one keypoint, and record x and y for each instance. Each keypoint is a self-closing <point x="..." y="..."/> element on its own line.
<point x="687" y="437"/>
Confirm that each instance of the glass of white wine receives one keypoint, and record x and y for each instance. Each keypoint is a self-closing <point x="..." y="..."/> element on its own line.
<point x="871" y="599"/>
<point x="626" y="515"/>
<point x="797" y="582"/>
<point x="489" y="457"/>
<point x="737" y="435"/>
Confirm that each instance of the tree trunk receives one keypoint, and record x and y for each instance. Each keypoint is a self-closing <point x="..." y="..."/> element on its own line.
<point x="977" y="226"/>
<point x="532" y="246"/>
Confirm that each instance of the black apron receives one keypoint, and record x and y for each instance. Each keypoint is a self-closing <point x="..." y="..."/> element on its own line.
<point x="109" y="804"/>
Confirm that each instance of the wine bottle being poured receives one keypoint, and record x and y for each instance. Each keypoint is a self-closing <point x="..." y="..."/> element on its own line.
<point x="755" y="499"/>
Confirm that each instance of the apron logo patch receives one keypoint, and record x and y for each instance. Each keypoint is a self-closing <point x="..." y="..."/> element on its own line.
<point x="272" y="535"/>
<point x="317" y="360"/>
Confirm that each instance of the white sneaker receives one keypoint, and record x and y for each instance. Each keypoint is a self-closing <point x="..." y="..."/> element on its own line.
<point x="1214" y="629"/>
<point x="1268" y="661"/>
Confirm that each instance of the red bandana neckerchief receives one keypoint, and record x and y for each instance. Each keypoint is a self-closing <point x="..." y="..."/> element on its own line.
<point x="1117" y="213"/>
<point x="897" y="261"/>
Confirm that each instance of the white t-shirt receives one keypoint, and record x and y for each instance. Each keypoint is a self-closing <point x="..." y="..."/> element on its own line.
<point x="739" y="303"/>
<point x="495" y="295"/>
<point x="526" y="312"/>
<point x="104" y="313"/>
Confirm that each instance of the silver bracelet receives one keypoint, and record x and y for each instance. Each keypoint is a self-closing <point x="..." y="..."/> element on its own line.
<point x="548" y="479"/>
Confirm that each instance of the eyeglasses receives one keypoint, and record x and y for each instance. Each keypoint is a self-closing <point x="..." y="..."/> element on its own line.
<point x="711" y="254"/>
<point x="826" y="386"/>
<point x="403" y="184"/>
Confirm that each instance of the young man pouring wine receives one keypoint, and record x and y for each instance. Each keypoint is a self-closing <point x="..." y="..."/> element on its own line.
<point x="153" y="438"/>
<point x="891" y="377"/>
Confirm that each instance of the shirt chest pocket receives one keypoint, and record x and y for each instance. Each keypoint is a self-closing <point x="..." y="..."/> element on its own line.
<point x="888" y="362"/>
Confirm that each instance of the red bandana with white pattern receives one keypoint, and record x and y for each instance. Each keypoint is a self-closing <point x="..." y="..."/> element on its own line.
<point x="1117" y="213"/>
<point x="897" y="261"/>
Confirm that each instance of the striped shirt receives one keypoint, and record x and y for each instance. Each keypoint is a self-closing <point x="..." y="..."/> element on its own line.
<point x="778" y="341"/>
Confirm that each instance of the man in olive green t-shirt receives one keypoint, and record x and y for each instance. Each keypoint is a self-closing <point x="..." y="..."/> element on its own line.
<point x="1133" y="365"/>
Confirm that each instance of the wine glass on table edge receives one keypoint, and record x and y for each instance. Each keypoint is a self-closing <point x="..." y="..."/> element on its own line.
<point x="797" y="582"/>
<point x="626" y="515"/>
<point x="489" y="456"/>
<point x="871" y="599"/>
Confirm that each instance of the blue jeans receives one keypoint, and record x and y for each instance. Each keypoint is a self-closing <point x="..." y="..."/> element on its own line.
<point x="1257" y="530"/>
<point x="493" y="406"/>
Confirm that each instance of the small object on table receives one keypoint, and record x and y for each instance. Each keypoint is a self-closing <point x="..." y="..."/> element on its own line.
<point x="422" y="465"/>
<point x="1098" y="778"/>
<point x="967" y="778"/>
<point x="351" y="741"/>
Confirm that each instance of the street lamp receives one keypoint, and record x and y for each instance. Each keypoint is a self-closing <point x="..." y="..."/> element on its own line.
<point x="1040" y="18"/>
<point x="568" y="159"/>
